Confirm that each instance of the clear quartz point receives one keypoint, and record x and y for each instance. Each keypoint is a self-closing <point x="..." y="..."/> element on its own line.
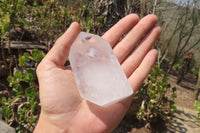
<point x="98" y="74"/>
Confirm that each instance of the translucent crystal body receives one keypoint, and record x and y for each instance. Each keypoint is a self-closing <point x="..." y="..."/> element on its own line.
<point x="98" y="74"/>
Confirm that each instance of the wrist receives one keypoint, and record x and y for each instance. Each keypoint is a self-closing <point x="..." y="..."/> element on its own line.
<point x="47" y="125"/>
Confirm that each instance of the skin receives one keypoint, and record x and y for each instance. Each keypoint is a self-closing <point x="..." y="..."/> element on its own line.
<point x="62" y="108"/>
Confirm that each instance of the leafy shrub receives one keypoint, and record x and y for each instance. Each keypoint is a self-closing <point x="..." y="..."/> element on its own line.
<point x="44" y="18"/>
<point x="156" y="103"/>
<point x="11" y="13"/>
<point x="21" y="108"/>
<point x="177" y="65"/>
<point x="197" y="109"/>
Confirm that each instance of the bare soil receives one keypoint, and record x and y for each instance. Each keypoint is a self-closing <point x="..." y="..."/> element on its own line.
<point x="184" y="90"/>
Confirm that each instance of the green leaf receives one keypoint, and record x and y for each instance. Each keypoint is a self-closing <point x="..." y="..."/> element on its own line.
<point x="32" y="106"/>
<point x="23" y="59"/>
<point x="165" y="78"/>
<point x="9" y="101"/>
<point x="174" y="95"/>
<point x="32" y="120"/>
<point x="174" y="108"/>
<point x="152" y="95"/>
<point x="16" y="92"/>
<point x="178" y="64"/>
<point x="29" y="76"/>
<point x="37" y="55"/>
<point x="18" y="74"/>
<point x="165" y="99"/>
<point x="160" y="89"/>
<point x="6" y="112"/>
<point x="158" y="70"/>
<point x="174" y="89"/>
<point x="11" y="80"/>
<point x="3" y="100"/>
<point x="168" y="86"/>
<point x="30" y="92"/>
<point x="17" y="86"/>
<point x="197" y="105"/>
<point x="26" y="55"/>
<point x="151" y="105"/>
<point x="197" y="118"/>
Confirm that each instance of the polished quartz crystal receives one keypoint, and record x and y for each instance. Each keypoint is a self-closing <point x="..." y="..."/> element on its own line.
<point x="98" y="74"/>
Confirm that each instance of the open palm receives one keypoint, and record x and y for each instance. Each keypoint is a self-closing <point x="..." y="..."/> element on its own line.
<point x="62" y="108"/>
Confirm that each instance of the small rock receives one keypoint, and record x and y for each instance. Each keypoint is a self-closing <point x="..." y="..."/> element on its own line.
<point x="6" y="128"/>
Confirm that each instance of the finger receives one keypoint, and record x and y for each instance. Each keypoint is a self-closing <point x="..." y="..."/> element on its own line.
<point x="127" y="44"/>
<point x="60" y="51"/>
<point x="119" y="29"/>
<point x="139" y="75"/>
<point x="136" y="57"/>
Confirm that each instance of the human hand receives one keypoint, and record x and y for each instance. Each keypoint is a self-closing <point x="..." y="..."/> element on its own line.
<point x="62" y="108"/>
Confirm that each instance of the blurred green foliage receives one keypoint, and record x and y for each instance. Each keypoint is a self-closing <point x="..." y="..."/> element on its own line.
<point x="11" y="12"/>
<point x="45" y="19"/>
<point x="21" y="109"/>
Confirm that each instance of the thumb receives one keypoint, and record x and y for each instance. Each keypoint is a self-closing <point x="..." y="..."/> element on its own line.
<point x="60" y="51"/>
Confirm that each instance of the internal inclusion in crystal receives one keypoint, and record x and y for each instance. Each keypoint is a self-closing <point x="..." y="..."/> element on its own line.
<point x="98" y="74"/>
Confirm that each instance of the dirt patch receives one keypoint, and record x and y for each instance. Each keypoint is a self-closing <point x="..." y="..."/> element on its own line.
<point x="185" y="92"/>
